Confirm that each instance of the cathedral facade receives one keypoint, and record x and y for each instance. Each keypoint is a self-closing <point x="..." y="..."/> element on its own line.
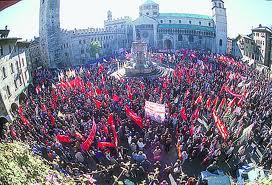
<point x="161" y="31"/>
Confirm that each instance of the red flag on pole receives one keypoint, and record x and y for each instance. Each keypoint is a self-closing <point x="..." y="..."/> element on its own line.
<point x="183" y="113"/>
<point x="86" y="145"/>
<point x="98" y="91"/>
<point x="110" y="119"/>
<point x="98" y="103"/>
<point x="195" y="114"/>
<point x="198" y="100"/>
<point x="134" y="116"/>
<point x="115" y="98"/>
<point x="220" y="125"/>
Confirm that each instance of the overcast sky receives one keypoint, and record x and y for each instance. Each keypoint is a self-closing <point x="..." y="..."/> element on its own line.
<point x="23" y="18"/>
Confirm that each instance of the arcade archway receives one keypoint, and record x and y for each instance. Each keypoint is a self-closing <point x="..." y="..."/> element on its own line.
<point x="22" y="98"/>
<point x="3" y="121"/>
<point x="14" y="107"/>
<point x="167" y="44"/>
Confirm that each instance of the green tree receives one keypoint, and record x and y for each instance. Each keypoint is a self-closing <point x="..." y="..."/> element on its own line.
<point x="95" y="48"/>
<point x="20" y="166"/>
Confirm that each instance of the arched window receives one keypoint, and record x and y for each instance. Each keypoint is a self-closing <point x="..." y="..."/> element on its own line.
<point x="191" y="38"/>
<point x="199" y="22"/>
<point x="220" y="42"/>
<point x="179" y="37"/>
<point x="190" y="22"/>
<point x="170" y="21"/>
<point x="209" y="24"/>
<point x="4" y="72"/>
<point x="179" y="21"/>
<point x="161" y="21"/>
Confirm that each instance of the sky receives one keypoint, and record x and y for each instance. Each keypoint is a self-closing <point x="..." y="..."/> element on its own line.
<point x="23" y="18"/>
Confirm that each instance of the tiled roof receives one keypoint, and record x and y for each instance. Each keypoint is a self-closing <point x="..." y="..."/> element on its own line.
<point x="184" y="15"/>
<point x="187" y="26"/>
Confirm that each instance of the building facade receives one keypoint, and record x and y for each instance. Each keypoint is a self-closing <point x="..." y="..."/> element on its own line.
<point x="14" y="73"/>
<point x="255" y="47"/>
<point x="161" y="31"/>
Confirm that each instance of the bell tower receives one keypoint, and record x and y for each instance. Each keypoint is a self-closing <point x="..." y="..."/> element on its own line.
<point x="220" y="19"/>
<point x="49" y="31"/>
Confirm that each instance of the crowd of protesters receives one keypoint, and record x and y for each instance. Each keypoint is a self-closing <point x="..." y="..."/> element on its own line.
<point x="86" y="122"/>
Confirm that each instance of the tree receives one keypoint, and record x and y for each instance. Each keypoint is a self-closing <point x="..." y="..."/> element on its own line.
<point x="95" y="48"/>
<point x="20" y="166"/>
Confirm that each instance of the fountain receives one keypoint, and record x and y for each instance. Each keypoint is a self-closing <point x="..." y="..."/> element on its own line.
<point x="140" y="64"/>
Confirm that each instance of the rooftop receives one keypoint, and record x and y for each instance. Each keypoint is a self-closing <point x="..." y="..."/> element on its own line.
<point x="7" y="3"/>
<point x="149" y="2"/>
<point x="262" y="28"/>
<point x="185" y="15"/>
<point x="187" y="26"/>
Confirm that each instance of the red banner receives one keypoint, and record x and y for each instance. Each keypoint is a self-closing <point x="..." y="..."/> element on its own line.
<point x="86" y="145"/>
<point x="63" y="138"/>
<point x="134" y="116"/>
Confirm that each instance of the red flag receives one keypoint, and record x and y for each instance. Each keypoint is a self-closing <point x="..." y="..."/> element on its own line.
<point x="79" y="136"/>
<point x="142" y="86"/>
<point x="105" y="129"/>
<point x="115" y="98"/>
<point x="195" y="114"/>
<point x="110" y="119"/>
<point x="222" y="103"/>
<point x="208" y="103"/>
<point x="20" y="110"/>
<point x="220" y="125"/>
<point x="100" y="69"/>
<point x="86" y="145"/>
<point x="232" y="102"/>
<point x="198" y="100"/>
<point x="103" y="145"/>
<point x="25" y="121"/>
<point x="215" y="101"/>
<point x="130" y="96"/>
<point x="134" y="116"/>
<point x="63" y="138"/>
<point x="43" y="107"/>
<point x="51" y="118"/>
<point x="183" y="113"/>
<point x="98" y="103"/>
<point x="114" y="135"/>
<point x="98" y="91"/>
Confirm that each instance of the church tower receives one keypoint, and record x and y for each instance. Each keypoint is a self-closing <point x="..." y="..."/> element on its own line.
<point x="49" y="32"/>
<point x="220" y="20"/>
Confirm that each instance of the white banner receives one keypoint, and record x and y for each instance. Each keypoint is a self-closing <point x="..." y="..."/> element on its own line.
<point x="155" y="111"/>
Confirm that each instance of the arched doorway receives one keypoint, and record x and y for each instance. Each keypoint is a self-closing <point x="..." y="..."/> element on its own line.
<point x="14" y="107"/>
<point x="3" y="121"/>
<point x="22" y="98"/>
<point x="167" y="44"/>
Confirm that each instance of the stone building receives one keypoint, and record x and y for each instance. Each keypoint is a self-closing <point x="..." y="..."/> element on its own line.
<point x="14" y="73"/>
<point x="255" y="47"/>
<point x="35" y="54"/>
<point x="161" y="31"/>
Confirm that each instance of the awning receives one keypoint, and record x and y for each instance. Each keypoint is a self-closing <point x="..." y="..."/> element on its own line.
<point x="26" y="85"/>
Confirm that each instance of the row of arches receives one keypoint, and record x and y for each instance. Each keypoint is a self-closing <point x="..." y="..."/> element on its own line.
<point x="14" y="107"/>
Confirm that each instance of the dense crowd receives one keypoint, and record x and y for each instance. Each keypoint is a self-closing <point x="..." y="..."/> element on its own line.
<point x="218" y="110"/>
